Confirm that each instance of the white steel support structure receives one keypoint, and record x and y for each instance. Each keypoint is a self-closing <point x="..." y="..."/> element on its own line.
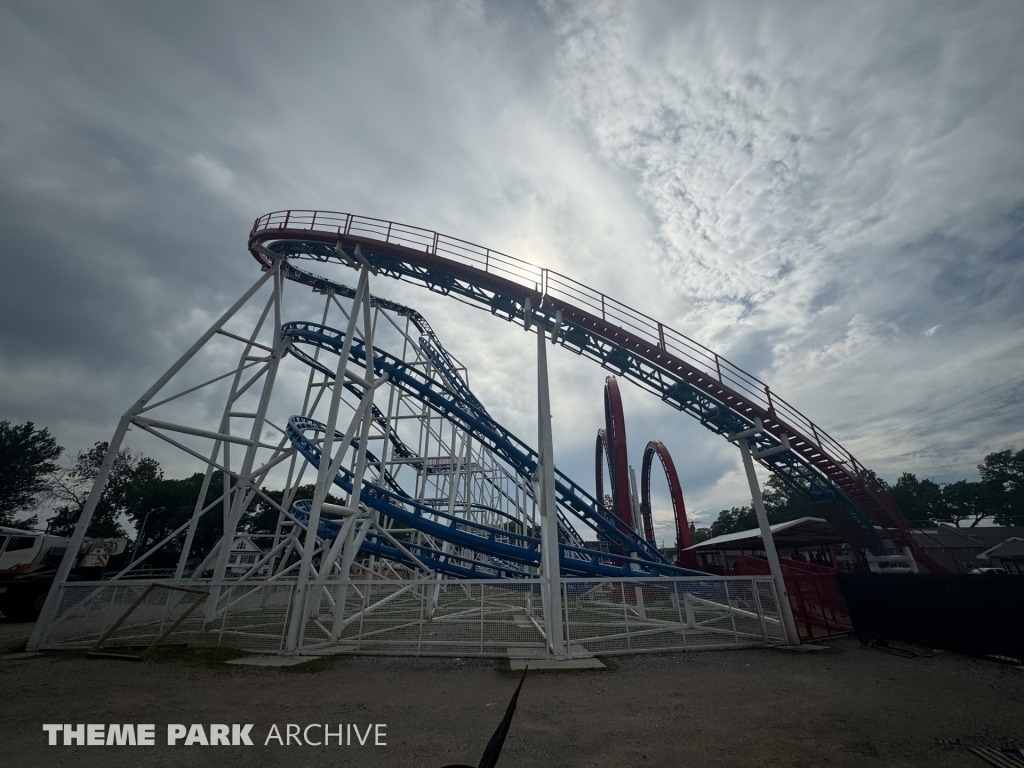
<point x="331" y="571"/>
<point x="133" y="416"/>
<point x="243" y="489"/>
<point x="785" y="608"/>
<point x="550" y="574"/>
<point x="332" y="460"/>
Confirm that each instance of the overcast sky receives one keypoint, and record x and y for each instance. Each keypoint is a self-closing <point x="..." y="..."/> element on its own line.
<point x="830" y="195"/>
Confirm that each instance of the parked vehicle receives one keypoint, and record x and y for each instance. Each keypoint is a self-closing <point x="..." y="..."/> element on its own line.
<point x="29" y="562"/>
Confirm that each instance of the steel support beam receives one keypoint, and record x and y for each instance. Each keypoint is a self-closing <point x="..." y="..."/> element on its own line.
<point x="551" y="582"/>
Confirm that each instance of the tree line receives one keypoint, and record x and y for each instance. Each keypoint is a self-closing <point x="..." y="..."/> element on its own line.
<point x="137" y="503"/>
<point x="998" y="496"/>
<point x="153" y="506"/>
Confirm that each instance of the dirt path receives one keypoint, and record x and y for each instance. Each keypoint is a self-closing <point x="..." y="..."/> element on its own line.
<point x="848" y="706"/>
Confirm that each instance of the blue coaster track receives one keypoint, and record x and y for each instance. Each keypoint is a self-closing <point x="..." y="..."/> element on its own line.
<point x="431" y="346"/>
<point x="496" y="543"/>
<point x="456" y="403"/>
<point x="445" y="402"/>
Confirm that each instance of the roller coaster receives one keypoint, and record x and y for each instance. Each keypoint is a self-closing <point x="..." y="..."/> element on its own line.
<point x="682" y="372"/>
<point x="451" y="494"/>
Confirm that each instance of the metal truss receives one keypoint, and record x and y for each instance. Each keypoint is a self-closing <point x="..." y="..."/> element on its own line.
<point x="431" y="487"/>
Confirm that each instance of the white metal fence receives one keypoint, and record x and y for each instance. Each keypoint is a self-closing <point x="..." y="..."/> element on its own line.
<point x="427" y="617"/>
<point x="618" y="616"/>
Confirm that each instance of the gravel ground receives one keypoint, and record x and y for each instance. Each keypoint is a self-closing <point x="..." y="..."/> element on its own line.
<point x="847" y="706"/>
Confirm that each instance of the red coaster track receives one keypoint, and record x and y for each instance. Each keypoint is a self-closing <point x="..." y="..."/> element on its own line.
<point x="675" y="490"/>
<point x="612" y="439"/>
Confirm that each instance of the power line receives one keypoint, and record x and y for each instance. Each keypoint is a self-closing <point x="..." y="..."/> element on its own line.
<point x="949" y="426"/>
<point x="940" y="410"/>
<point x="960" y="411"/>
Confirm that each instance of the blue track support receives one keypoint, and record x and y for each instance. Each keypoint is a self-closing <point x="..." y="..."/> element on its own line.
<point x="496" y="543"/>
<point x="432" y="347"/>
<point x="442" y="400"/>
<point x="443" y="562"/>
<point x="444" y="363"/>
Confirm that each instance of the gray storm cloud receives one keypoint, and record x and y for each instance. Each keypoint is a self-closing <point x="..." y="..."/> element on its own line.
<point x="832" y="196"/>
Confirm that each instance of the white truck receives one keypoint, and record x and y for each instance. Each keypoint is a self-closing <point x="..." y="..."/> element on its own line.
<point x="29" y="562"/>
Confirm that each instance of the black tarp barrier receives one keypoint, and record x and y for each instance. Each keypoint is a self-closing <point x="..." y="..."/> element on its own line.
<point x="971" y="613"/>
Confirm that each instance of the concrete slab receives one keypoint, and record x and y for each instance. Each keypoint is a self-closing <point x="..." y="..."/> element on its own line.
<point x="270" y="661"/>
<point x="518" y="665"/>
<point x="333" y="650"/>
<point x="803" y="648"/>
<point x="538" y="651"/>
<point x="525" y="651"/>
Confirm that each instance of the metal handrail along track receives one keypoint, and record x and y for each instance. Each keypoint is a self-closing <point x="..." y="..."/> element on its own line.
<point x="683" y="372"/>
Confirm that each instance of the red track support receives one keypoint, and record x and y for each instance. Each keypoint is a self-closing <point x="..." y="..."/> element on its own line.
<point x="615" y="433"/>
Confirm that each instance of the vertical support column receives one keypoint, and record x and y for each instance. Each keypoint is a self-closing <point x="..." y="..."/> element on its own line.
<point x="785" y="609"/>
<point x="349" y="546"/>
<point x="328" y="467"/>
<point x="225" y="428"/>
<point x="242" y="493"/>
<point x="458" y="462"/>
<point x="638" y="525"/>
<point x="551" y="582"/>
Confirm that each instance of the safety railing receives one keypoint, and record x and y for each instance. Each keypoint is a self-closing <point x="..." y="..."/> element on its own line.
<point x="249" y="615"/>
<point x="551" y="283"/>
<point x="422" y="616"/>
<point x="627" y="616"/>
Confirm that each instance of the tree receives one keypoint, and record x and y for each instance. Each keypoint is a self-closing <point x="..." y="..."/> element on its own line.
<point x="28" y="458"/>
<point x="904" y="494"/>
<point x="161" y="506"/>
<point x="697" y="535"/>
<point x="1005" y="471"/>
<point x="924" y="502"/>
<point x="123" y="492"/>
<point x="734" y="520"/>
<point x="920" y="501"/>
<point x="964" y="500"/>
<point x="783" y="502"/>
